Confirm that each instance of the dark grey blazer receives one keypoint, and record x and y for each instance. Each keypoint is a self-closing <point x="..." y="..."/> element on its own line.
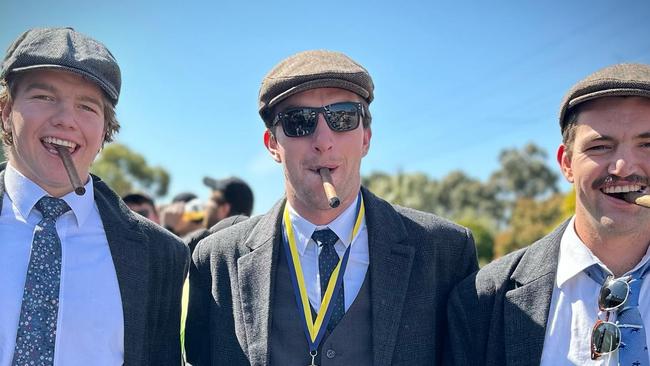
<point x="415" y="260"/>
<point x="498" y="315"/>
<point x="151" y="265"/>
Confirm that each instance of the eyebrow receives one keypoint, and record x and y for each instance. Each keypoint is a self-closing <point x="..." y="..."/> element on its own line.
<point x="52" y="89"/>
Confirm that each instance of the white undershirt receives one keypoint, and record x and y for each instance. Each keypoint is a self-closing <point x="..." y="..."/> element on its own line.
<point x="90" y="324"/>
<point x="358" y="261"/>
<point x="574" y="306"/>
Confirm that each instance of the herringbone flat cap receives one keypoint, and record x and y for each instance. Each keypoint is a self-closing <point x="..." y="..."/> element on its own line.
<point x="310" y="70"/>
<point x="64" y="49"/>
<point x="616" y="80"/>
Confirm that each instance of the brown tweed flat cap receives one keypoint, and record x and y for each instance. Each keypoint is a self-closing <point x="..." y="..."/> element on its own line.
<point x="617" y="80"/>
<point x="310" y="70"/>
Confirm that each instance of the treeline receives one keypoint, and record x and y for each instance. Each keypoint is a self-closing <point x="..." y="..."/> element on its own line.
<point x="519" y="203"/>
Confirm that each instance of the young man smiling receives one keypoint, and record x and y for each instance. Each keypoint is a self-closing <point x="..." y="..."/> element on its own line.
<point x="85" y="281"/>
<point x="364" y="283"/>
<point x="578" y="295"/>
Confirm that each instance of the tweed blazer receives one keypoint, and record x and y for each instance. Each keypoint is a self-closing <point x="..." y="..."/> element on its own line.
<point x="415" y="260"/>
<point x="151" y="265"/>
<point x="498" y="315"/>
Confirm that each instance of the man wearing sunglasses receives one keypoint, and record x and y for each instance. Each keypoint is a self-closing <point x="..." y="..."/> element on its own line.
<point x="365" y="283"/>
<point x="578" y="295"/>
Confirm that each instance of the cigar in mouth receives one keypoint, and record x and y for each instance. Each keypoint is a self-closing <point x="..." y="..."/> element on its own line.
<point x="639" y="198"/>
<point x="64" y="154"/>
<point x="328" y="186"/>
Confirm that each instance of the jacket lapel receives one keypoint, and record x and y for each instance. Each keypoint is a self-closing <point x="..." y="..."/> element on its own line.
<point x="527" y="305"/>
<point x="256" y="279"/>
<point x="129" y="249"/>
<point x="390" y="271"/>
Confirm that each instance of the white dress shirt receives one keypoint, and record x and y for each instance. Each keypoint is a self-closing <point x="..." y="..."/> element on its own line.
<point x="574" y="306"/>
<point x="358" y="261"/>
<point x="90" y="324"/>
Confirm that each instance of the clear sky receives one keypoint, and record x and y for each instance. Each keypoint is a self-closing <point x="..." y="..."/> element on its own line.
<point x="455" y="82"/>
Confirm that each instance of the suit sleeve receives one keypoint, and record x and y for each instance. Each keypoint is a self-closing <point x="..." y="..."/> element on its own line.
<point x="197" y="332"/>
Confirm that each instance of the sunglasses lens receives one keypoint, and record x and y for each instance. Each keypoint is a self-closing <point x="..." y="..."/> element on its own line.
<point x="605" y="338"/>
<point x="299" y="122"/>
<point x="613" y="294"/>
<point x="343" y="116"/>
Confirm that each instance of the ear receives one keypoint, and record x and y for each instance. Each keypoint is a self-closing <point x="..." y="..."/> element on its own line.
<point x="564" y="159"/>
<point x="224" y="210"/>
<point x="272" y="146"/>
<point x="367" y="135"/>
<point x="6" y="112"/>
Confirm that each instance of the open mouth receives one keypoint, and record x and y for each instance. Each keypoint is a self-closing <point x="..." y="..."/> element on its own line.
<point x="51" y="143"/>
<point x="316" y="169"/>
<point x="620" y="191"/>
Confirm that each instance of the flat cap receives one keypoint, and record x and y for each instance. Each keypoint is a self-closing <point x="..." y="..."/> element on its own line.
<point x="310" y="70"/>
<point x="66" y="49"/>
<point x="612" y="81"/>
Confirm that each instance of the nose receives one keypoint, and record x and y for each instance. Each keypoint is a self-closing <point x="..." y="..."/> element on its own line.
<point x="65" y="115"/>
<point x="624" y="163"/>
<point x="323" y="138"/>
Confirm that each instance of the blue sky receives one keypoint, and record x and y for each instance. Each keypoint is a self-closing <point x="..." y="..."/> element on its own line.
<point x="455" y="82"/>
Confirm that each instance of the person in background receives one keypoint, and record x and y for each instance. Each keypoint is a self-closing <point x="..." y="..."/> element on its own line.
<point x="142" y="204"/>
<point x="230" y="197"/>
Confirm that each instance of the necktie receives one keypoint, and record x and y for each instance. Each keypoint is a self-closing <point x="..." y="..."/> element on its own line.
<point x="38" y="314"/>
<point x="327" y="261"/>
<point x="633" y="350"/>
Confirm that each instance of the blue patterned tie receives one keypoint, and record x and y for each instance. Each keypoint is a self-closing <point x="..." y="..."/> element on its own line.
<point x="38" y="314"/>
<point x="633" y="350"/>
<point x="327" y="261"/>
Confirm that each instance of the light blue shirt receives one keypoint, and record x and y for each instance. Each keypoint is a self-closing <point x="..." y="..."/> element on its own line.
<point x="357" y="267"/>
<point x="90" y="323"/>
<point x="574" y="306"/>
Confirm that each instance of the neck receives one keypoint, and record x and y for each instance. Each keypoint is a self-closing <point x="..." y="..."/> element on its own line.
<point x="620" y="253"/>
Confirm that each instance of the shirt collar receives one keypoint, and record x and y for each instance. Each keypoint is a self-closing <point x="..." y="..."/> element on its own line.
<point x="342" y="226"/>
<point x="24" y="194"/>
<point x="575" y="256"/>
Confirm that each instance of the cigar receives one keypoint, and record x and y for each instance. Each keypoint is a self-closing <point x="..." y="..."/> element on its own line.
<point x="641" y="199"/>
<point x="328" y="186"/>
<point x="64" y="154"/>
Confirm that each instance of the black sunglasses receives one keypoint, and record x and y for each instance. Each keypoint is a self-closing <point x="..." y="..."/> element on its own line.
<point x="302" y="121"/>
<point x="606" y="336"/>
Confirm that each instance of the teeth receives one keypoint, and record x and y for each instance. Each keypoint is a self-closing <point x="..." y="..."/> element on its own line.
<point x="54" y="140"/>
<point x="622" y="189"/>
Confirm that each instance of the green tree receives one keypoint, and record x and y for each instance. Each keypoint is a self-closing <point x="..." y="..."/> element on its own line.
<point x="524" y="173"/>
<point x="483" y="238"/>
<point x="2" y="155"/>
<point x="531" y="219"/>
<point x="125" y="170"/>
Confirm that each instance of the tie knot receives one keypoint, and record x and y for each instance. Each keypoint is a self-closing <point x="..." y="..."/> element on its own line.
<point x="324" y="237"/>
<point x="51" y="208"/>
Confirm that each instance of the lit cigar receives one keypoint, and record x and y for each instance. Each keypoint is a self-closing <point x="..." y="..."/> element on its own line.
<point x="328" y="186"/>
<point x="64" y="154"/>
<point x="641" y="199"/>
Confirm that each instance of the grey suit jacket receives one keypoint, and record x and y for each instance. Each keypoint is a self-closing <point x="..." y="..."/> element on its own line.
<point x="498" y="315"/>
<point x="151" y="265"/>
<point x="415" y="260"/>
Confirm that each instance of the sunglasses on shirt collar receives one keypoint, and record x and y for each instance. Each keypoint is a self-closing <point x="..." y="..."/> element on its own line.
<point x="605" y="335"/>
<point x="302" y="121"/>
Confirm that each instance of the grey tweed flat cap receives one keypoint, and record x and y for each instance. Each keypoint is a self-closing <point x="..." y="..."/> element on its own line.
<point x="612" y="81"/>
<point x="310" y="70"/>
<point x="66" y="49"/>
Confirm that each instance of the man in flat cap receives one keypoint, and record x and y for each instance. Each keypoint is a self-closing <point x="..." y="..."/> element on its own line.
<point x="85" y="281"/>
<point x="363" y="283"/>
<point x="577" y="296"/>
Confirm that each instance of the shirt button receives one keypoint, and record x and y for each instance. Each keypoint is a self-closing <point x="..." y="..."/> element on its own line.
<point x="330" y="353"/>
